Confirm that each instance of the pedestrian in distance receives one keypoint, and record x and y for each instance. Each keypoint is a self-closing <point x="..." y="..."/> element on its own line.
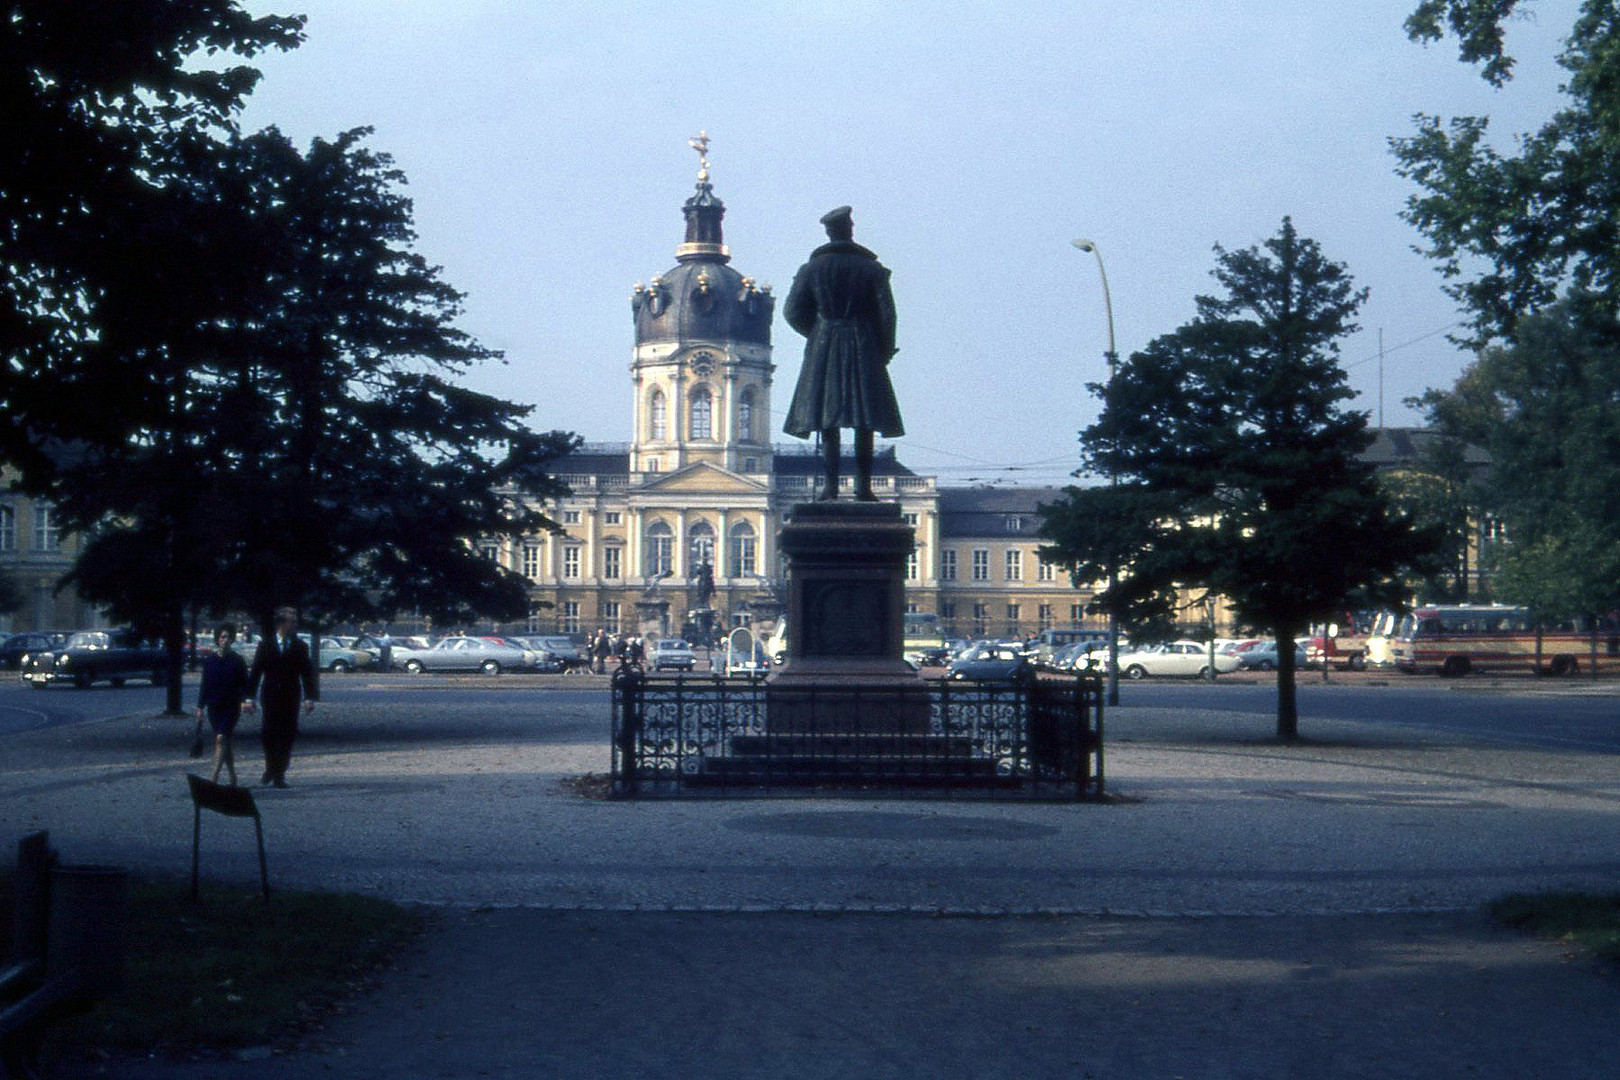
<point x="600" y="648"/>
<point x="282" y="678"/>
<point x="224" y="683"/>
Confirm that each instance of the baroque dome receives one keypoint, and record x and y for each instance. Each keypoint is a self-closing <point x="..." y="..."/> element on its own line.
<point x="702" y="298"/>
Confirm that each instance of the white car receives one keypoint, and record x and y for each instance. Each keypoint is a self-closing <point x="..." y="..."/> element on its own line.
<point x="671" y="654"/>
<point x="1176" y="658"/>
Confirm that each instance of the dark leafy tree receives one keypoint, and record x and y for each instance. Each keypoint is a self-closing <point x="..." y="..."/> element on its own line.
<point x="1539" y="221"/>
<point x="1547" y="407"/>
<point x="364" y="470"/>
<point x="302" y="437"/>
<point x="90" y="92"/>
<point x="1238" y="466"/>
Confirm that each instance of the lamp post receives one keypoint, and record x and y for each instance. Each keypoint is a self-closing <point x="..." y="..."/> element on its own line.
<point x="1113" y="479"/>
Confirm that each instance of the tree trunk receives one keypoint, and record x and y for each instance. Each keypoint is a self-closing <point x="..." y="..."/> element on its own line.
<point x="174" y="632"/>
<point x="1538" y="645"/>
<point x="1592" y="667"/>
<point x="1287" y="703"/>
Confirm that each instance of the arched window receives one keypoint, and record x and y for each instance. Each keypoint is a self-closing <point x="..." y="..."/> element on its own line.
<point x="660" y="549"/>
<point x="744" y="551"/>
<point x="657" y="417"/>
<point x="745" y="416"/>
<point x="699" y="546"/>
<point x="702" y="414"/>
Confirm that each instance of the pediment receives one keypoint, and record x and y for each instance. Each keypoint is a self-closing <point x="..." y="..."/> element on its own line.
<point x="704" y="477"/>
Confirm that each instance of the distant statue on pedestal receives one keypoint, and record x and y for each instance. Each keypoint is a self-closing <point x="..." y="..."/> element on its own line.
<point x="702" y="592"/>
<point x="842" y="304"/>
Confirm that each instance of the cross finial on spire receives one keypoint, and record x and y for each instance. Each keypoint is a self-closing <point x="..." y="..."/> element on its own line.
<point x="700" y="143"/>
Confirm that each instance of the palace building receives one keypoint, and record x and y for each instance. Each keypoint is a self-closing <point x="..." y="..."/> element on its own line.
<point x="701" y="482"/>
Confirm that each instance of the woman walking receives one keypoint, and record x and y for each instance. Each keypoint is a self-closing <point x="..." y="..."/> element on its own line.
<point x="224" y="685"/>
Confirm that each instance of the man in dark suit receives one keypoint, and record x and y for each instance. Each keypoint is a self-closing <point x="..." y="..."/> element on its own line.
<point x="281" y="678"/>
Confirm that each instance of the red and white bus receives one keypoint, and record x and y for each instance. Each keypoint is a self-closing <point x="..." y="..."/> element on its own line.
<point x="1344" y="643"/>
<point x="1456" y="639"/>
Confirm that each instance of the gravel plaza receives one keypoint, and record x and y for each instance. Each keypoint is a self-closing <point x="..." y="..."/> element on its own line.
<point x="1227" y="884"/>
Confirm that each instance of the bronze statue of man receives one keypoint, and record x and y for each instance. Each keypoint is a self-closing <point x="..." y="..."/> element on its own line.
<point x="841" y="303"/>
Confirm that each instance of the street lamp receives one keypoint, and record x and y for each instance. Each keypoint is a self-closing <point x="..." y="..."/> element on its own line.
<point x="1112" y="356"/>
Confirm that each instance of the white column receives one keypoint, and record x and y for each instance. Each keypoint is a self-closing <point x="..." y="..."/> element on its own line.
<point x="632" y="563"/>
<point x="677" y="560"/>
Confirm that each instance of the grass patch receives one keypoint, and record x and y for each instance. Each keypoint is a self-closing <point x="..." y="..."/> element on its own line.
<point x="233" y="971"/>
<point x="1591" y="920"/>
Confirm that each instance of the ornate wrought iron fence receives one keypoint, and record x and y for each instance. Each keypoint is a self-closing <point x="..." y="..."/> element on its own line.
<point x="691" y="735"/>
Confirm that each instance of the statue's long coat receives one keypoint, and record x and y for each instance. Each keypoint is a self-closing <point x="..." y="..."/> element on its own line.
<point x="841" y="303"/>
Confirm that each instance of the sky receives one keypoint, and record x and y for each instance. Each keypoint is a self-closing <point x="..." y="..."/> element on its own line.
<point x="546" y="149"/>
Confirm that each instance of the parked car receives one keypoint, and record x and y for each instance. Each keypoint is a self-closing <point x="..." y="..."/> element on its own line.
<point x="1175" y="658"/>
<point x="465" y="654"/>
<point x="991" y="661"/>
<point x="1262" y="656"/>
<point x="91" y="656"/>
<point x="671" y="654"/>
<point x="544" y="661"/>
<point x="17" y="646"/>
<point x="1050" y="643"/>
<point x="339" y="657"/>
<point x="335" y="656"/>
<point x="565" y="650"/>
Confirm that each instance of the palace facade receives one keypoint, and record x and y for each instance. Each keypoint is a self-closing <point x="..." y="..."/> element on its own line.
<point x="701" y="481"/>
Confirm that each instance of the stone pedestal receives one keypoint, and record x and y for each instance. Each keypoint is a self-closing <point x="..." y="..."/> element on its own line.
<point x="652" y="618"/>
<point x="845" y="615"/>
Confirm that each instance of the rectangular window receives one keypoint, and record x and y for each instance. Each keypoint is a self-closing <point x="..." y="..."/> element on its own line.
<point x="1015" y="523"/>
<point x="1012" y="613"/>
<point x="750" y="465"/>
<point x="909" y="519"/>
<point x="981" y="564"/>
<point x="571" y="561"/>
<point x="610" y="615"/>
<point x="47" y="533"/>
<point x="570" y="517"/>
<point x="947" y="564"/>
<point x="8" y="528"/>
<point x="612" y="562"/>
<point x="1044" y="613"/>
<point x="1076" y="613"/>
<point x="911" y="566"/>
<point x="912" y="609"/>
<point x="1015" y="564"/>
<point x="533" y="624"/>
<point x="531" y="561"/>
<point x="490" y="551"/>
<point x="652" y="464"/>
<point x="1045" y="571"/>
<point x="981" y="615"/>
<point x="569" y="622"/>
<point x="744" y="554"/>
<point x="612" y="517"/>
<point x="947" y="610"/>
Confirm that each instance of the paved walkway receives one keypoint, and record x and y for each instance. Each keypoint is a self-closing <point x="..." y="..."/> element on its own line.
<point x="517" y="993"/>
<point x="1252" y="911"/>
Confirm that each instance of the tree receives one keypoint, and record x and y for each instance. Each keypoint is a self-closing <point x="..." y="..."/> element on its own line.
<point x="1547" y="407"/>
<point x="223" y="362"/>
<point x="301" y="438"/>
<point x="1238" y="467"/>
<point x="1544" y="395"/>
<point x="1544" y="219"/>
<point x="90" y="93"/>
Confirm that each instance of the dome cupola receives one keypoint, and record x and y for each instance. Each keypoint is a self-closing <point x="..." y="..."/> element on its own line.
<point x="702" y="298"/>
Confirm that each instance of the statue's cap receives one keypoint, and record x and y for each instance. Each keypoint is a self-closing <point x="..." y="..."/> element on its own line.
<point x="840" y="215"/>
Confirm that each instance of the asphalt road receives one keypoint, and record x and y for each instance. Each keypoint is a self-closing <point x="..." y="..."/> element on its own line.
<point x="1567" y="714"/>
